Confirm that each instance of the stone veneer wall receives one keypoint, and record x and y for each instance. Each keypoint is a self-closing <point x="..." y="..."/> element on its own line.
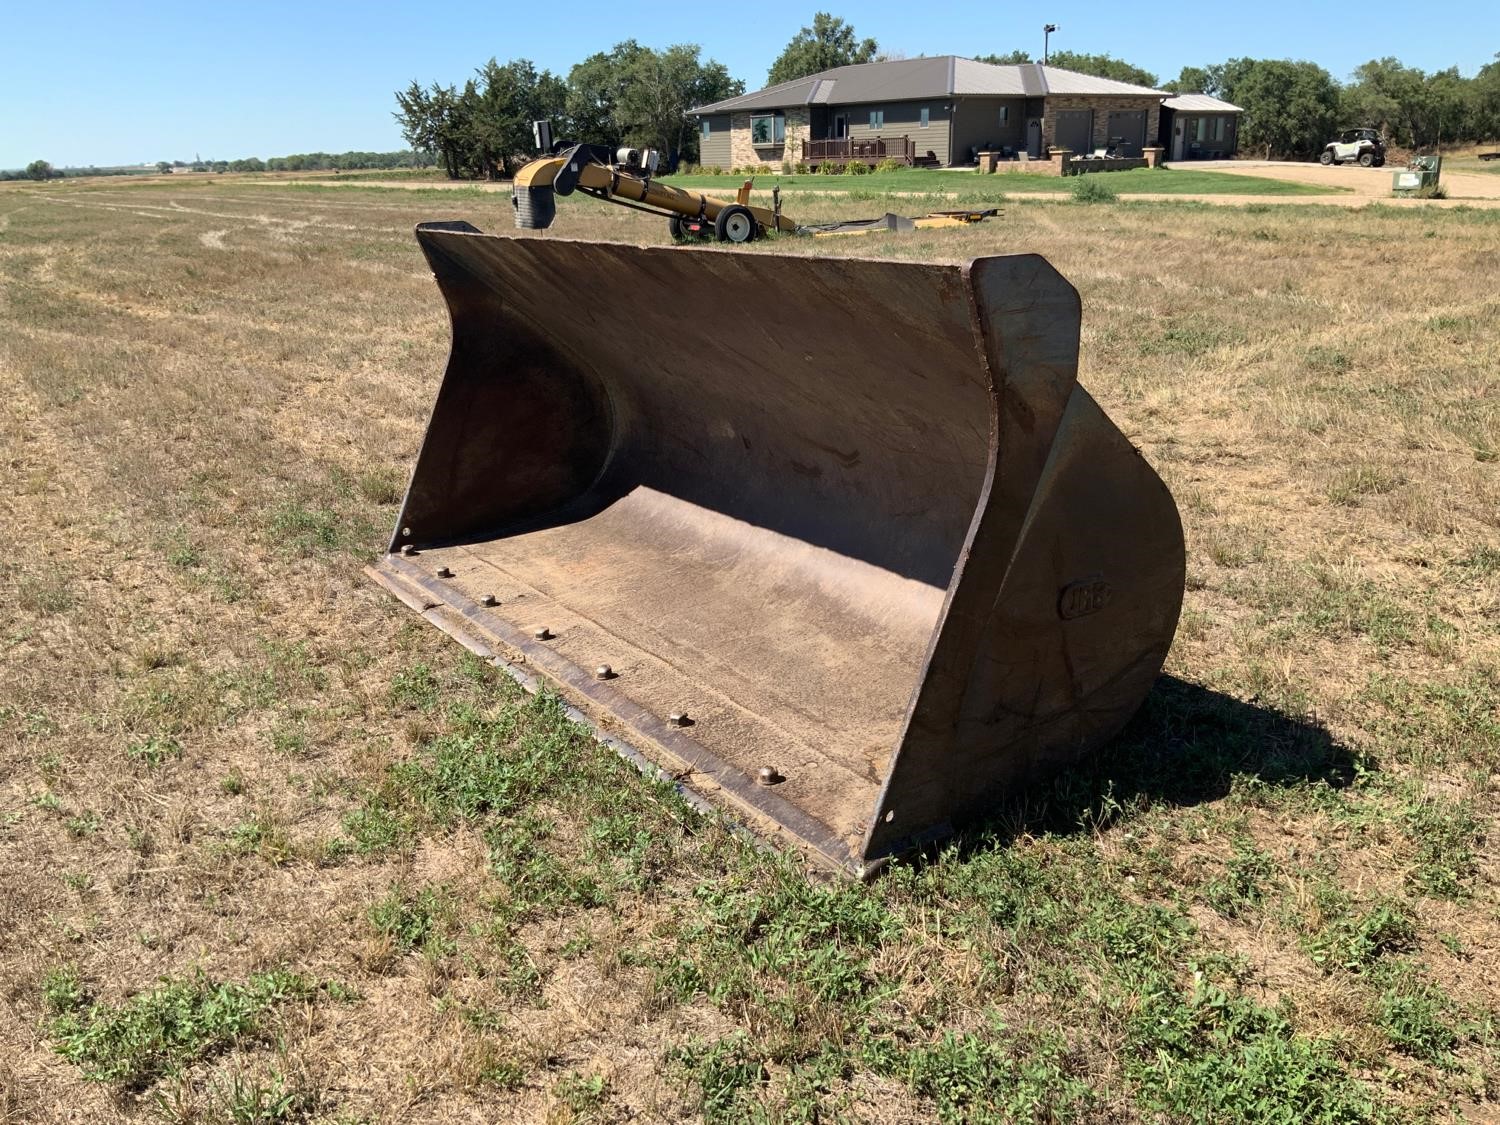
<point x="743" y="153"/>
<point x="1101" y="107"/>
<point x="1042" y="167"/>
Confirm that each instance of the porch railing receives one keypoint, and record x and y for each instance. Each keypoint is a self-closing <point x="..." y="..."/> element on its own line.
<point x="868" y="149"/>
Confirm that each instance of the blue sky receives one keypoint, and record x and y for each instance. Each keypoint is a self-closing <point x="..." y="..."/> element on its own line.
<point x="127" y="82"/>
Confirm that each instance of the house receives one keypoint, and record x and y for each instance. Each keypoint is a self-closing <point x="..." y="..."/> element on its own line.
<point x="1199" y="127"/>
<point x="935" y="111"/>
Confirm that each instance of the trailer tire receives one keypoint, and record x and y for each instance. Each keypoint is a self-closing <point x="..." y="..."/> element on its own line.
<point x="674" y="225"/>
<point x="535" y="207"/>
<point x="735" y="224"/>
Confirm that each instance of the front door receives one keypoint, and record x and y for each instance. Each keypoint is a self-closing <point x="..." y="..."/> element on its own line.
<point x="840" y="126"/>
<point x="1034" y="138"/>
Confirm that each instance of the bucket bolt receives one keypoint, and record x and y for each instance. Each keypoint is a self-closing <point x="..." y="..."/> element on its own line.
<point x="444" y="572"/>
<point x="490" y="600"/>
<point x="408" y="549"/>
<point x="542" y="634"/>
<point x="768" y="775"/>
<point x="604" y="672"/>
<point x="679" y="719"/>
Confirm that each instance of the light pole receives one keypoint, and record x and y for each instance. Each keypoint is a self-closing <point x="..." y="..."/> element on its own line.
<point x="1047" y="30"/>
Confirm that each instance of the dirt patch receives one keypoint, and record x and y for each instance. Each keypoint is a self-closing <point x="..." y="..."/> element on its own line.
<point x="1367" y="184"/>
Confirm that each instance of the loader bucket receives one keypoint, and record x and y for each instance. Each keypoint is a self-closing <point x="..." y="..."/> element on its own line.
<point x="861" y="557"/>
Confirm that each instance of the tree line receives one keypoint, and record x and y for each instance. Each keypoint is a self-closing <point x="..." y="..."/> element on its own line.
<point x="43" y="170"/>
<point x="305" y="162"/>
<point x="300" y="162"/>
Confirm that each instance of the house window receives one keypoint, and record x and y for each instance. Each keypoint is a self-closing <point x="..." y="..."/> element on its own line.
<point x="877" y="119"/>
<point x="1202" y="129"/>
<point x="768" y="129"/>
<point x="707" y="128"/>
<point x="1218" y="128"/>
<point x="925" y="112"/>
<point x="1005" y="115"/>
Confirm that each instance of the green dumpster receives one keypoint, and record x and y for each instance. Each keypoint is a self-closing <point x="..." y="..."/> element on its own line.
<point x="1418" y="177"/>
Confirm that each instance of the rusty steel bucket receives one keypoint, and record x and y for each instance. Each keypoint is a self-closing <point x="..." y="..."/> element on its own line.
<point x="859" y="554"/>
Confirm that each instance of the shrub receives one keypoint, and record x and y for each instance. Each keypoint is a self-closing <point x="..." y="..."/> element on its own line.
<point x="856" y="168"/>
<point x="889" y="165"/>
<point x="828" y="168"/>
<point x="786" y="168"/>
<point x="800" y="169"/>
<point x="1432" y="191"/>
<point x="1092" y="189"/>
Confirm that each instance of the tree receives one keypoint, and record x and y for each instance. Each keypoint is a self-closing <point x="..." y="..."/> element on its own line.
<point x="1414" y="108"/>
<point x="163" y="166"/>
<point x="1010" y="58"/>
<point x="662" y="87"/>
<point x="828" y="43"/>
<point x="638" y="96"/>
<point x="1213" y="80"/>
<point x="597" y="89"/>
<point x="1192" y="80"/>
<point x="500" y="109"/>
<point x="483" y="130"/>
<point x="433" y="120"/>
<point x="1102" y="66"/>
<point x="1484" y="101"/>
<point x="1291" y="108"/>
<point x="39" y="170"/>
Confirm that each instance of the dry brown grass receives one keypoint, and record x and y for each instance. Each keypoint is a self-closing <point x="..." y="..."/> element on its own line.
<point x="212" y="394"/>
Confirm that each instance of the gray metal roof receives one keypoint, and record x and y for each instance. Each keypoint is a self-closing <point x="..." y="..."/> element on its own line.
<point x="936" y="77"/>
<point x="1200" y="103"/>
<point x="1060" y="81"/>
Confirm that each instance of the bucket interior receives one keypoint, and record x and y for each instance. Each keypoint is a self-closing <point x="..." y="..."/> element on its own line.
<point x="741" y="482"/>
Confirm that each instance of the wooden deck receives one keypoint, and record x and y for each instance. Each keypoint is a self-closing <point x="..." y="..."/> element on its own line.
<point x="865" y="150"/>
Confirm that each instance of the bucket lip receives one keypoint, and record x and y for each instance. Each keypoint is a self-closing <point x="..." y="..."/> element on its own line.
<point x="458" y="228"/>
<point x="636" y="737"/>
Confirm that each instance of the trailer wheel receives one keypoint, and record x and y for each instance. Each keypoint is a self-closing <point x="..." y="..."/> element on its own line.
<point x="735" y="224"/>
<point x="674" y="224"/>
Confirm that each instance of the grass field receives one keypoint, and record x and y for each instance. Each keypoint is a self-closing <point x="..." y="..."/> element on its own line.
<point x="1171" y="181"/>
<point x="272" y="849"/>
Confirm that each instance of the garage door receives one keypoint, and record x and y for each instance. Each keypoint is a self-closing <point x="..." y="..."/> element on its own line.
<point x="1127" y="131"/>
<point x="1075" y="130"/>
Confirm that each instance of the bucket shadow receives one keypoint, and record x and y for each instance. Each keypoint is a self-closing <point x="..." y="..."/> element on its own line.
<point x="1186" y="746"/>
